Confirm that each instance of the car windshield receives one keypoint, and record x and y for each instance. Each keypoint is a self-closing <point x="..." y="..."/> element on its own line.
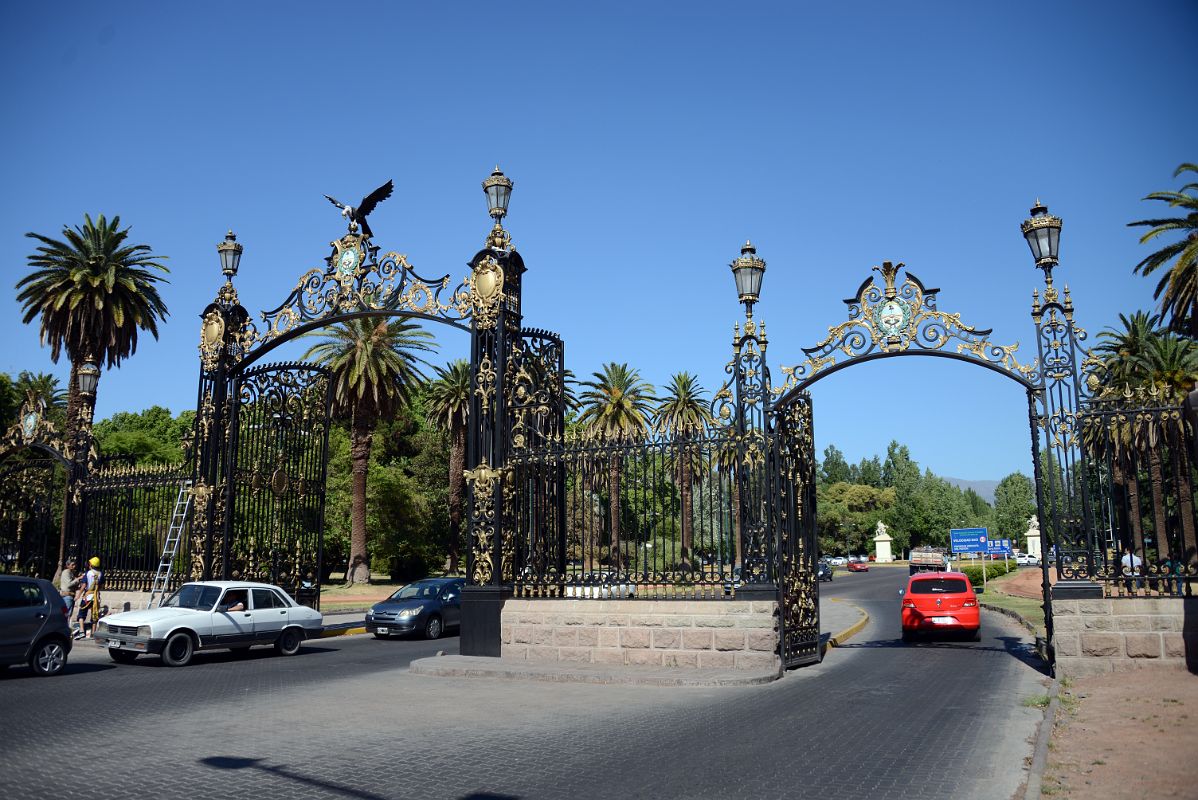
<point x="939" y="586"/>
<point x="191" y="595"/>
<point x="417" y="591"/>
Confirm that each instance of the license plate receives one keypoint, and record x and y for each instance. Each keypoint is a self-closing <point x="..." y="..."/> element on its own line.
<point x="384" y="631"/>
<point x="943" y="620"/>
<point x="114" y="643"/>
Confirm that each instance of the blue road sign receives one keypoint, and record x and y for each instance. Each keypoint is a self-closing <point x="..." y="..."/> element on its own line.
<point x="998" y="546"/>
<point x="968" y="540"/>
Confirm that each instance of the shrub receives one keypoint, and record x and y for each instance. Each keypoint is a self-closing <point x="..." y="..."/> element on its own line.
<point x="994" y="569"/>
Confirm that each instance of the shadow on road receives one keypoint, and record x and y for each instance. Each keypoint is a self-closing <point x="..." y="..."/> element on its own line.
<point x="1013" y="646"/>
<point x="72" y="668"/>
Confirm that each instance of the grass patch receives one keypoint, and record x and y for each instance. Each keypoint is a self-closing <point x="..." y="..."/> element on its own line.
<point x="1036" y="701"/>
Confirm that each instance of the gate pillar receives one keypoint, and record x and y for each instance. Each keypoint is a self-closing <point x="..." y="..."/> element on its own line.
<point x="495" y="279"/>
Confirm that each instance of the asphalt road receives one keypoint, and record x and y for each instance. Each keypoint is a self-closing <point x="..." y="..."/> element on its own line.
<point x="344" y="719"/>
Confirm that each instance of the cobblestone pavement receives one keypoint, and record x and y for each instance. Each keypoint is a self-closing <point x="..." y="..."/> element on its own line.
<point x="345" y="720"/>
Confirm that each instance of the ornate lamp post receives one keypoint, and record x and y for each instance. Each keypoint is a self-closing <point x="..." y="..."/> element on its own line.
<point x="495" y="281"/>
<point x="230" y="255"/>
<point x="751" y="377"/>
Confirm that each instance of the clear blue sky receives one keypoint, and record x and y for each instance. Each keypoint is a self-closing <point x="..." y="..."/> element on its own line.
<point x="646" y="143"/>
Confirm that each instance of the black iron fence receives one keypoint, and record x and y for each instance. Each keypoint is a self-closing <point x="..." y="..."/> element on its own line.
<point x="126" y="513"/>
<point x="30" y="516"/>
<point x="655" y="518"/>
<point x="1140" y="480"/>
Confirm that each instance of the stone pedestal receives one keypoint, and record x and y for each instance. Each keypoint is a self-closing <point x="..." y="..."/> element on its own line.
<point x="882" y="546"/>
<point x="1033" y="538"/>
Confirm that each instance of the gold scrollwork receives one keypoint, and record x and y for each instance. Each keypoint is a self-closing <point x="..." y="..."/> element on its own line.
<point x="897" y="318"/>
<point x="486" y="292"/>
<point x="212" y="338"/>
<point x="482" y="481"/>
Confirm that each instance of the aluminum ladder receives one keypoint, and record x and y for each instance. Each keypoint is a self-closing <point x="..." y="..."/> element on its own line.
<point x="170" y="547"/>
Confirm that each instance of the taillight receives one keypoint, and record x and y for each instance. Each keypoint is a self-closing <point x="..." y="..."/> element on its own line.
<point x="908" y="604"/>
<point x="970" y="604"/>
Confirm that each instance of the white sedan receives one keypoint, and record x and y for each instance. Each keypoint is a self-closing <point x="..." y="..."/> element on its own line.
<point x="210" y="615"/>
<point x="1025" y="560"/>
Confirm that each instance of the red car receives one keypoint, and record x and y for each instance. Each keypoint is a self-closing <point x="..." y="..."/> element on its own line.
<point x="940" y="601"/>
<point x="858" y="566"/>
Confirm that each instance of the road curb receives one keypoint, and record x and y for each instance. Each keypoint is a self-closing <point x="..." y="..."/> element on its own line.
<point x="330" y="632"/>
<point x="838" y="639"/>
<point x="1015" y="615"/>
<point x="1035" y="777"/>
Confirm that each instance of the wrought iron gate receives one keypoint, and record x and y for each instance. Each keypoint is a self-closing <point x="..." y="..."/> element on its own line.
<point x="277" y="449"/>
<point x="30" y="492"/>
<point x="792" y="511"/>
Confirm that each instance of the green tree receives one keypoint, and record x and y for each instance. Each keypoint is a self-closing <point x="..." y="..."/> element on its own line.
<point x="1014" y="503"/>
<point x="834" y="469"/>
<point x="848" y="516"/>
<point x="616" y="407"/>
<point x="10" y="401"/>
<point x="869" y="472"/>
<point x="375" y="368"/>
<point x="1177" y="289"/>
<point x="93" y="292"/>
<point x="683" y="412"/>
<point x="448" y="401"/>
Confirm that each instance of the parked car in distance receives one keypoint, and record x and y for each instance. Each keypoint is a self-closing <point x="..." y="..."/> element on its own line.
<point x="838" y="561"/>
<point x="1025" y="560"/>
<point x="427" y="606"/>
<point x="734" y="582"/>
<point x="602" y="585"/>
<point x="825" y="571"/>
<point x="858" y="566"/>
<point x="939" y="601"/>
<point x="33" y="625"/>
<point x="210" y="615"/>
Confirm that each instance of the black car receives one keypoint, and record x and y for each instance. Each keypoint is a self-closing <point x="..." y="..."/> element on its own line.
<point x="33" y="625"/>
<point x="427" y="606"/>
<point x="825" y="571"/>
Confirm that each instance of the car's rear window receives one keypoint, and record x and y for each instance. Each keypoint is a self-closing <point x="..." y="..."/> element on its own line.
<point x="939" y="586"/>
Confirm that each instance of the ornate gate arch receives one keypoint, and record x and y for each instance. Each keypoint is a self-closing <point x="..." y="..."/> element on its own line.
<point x="901" y="318"/>
<point x="260" y="442"/>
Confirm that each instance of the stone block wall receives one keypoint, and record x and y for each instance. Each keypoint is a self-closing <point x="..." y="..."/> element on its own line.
<point x="1115" y="634"/>
<point x="735" y="634"/>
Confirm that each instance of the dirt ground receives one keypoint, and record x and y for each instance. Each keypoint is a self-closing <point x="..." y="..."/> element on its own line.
<point x="1126" y="735"/>
<point x="1028" y="582"/>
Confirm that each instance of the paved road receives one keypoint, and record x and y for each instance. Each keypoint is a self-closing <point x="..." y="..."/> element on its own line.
<point x="344" y="720"/>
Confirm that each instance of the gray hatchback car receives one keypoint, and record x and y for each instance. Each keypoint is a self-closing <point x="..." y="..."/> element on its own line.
<point x="33" y="625"/>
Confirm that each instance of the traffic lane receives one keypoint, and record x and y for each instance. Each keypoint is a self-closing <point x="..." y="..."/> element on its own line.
<point x="880" y="583"/>
<point x="149" y="686"/>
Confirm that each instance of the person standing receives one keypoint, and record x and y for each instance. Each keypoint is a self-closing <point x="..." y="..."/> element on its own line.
<point x="1132" y="565"/>
<point x="89" y="607"/>
<point x="66" y="587"/>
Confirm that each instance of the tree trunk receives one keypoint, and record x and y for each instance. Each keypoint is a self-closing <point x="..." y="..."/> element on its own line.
<point x="72" y="410"/>
<point x="736" y="517"/>
<point x="1158" y="507"/>
<point x="613" y="489"/>
<point x="457" y="481"/>
<point x="1133" y="502"/>
<point x="1185" y="502"/>
<point x="684" y="477"/>
<point x="361" y="434"/>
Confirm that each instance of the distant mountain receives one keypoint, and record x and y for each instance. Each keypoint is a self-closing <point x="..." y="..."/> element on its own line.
<point x="985" y="489"/>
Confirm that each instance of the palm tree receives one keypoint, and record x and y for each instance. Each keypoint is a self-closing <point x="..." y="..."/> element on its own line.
<point x="93" y="292"/>
<point x="1122" y="352"/>
<point x="684" y="413"/>
<point x="375" y="368"/>
<point x="1178" y="287"/>
<point x="448" y="402"/>
<point x="615" y="411"/>
<point x="42" y="387"/>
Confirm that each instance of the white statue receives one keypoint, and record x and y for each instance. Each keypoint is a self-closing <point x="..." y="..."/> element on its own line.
<point x="882" y="542"/>
<point x="1033" y="536"/>
<point x="881" y="530"/>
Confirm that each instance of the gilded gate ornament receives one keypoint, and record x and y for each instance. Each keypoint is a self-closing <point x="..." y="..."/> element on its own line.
<point x="900" y="317"/>
<point x="482" y="481"/>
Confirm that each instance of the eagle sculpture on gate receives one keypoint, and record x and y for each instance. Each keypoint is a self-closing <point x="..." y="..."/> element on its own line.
<point x="357" y="214"/>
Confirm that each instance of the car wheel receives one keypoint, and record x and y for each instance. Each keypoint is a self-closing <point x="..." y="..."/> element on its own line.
<point x="289" y="642"/>
<point x="433" y="628"/>
<point x="48" y="658"/>
<point x="178" y="650"/>
<point x="122" y="656"/>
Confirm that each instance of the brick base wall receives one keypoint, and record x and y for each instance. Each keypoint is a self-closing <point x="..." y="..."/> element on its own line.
<point x="738" y="634"/>
<point x="1116" y="634"/>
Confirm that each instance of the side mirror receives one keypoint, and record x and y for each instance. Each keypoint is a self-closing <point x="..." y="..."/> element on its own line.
<point x="901" y="591"/>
